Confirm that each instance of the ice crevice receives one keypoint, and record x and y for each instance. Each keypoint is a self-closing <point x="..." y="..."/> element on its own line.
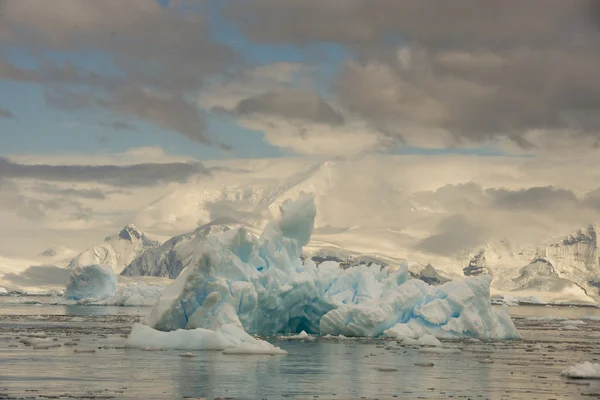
<point x="244" y="285"/>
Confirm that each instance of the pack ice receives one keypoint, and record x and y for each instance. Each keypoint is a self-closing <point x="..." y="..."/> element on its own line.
<point x="243" y="285"/>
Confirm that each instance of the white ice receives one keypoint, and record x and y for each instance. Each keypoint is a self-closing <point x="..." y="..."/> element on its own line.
<point x="134" y="294"/>
<point x="262" y="286"/>
<point x="547" y="318"/>
<point x="229" y="337"/>
<point x="3" y="291"/>
<point x="94" y="282"/>
<point x="587" y="370"/>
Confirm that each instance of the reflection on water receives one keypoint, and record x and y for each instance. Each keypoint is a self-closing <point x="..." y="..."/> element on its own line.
<point x="529" y="369"/>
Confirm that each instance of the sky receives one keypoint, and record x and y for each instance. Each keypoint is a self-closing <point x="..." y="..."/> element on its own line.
<point x="99" y="98"/>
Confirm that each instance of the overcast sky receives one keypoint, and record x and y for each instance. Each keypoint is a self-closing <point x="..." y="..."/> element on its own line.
<point x="101" y="97"/>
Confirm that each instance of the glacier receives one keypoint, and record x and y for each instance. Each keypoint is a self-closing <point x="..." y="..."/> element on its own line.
<point x="94" y="282"/>
<point x="262" y="286"/>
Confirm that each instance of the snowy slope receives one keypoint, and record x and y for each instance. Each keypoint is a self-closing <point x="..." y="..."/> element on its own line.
<point x="566" y="269"/>
<point x="59" y="256"/>
<point x="176" y="253"/>
<point x="118" y="250"/>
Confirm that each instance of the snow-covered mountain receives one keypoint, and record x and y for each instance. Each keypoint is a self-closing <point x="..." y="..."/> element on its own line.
<point x="560" y="269"/>
<point x="59" y="256"/>
<point x="176" y="253"/>
<point x="117" y="250"/>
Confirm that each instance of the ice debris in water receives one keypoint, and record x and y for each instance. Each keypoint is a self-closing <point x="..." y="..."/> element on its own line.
<point x="587" y="370"/>
<point x="261" y="286"/>
<point x="96" y="282"/>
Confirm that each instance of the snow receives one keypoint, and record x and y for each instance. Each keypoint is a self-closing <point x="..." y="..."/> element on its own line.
<point x="587" y="370"/>
<point x="118" y="250"/>
<point x="94" y="282"/>
<point x="60" y="256"/>
<point x="176" y="253"/>
<point x="262" y="286"/>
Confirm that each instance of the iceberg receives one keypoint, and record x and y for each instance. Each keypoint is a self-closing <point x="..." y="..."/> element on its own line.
<point x="134" y="295"/>
<point x="586" y="370"/>
<point x="262" y="286"/>
<point x="95" y="282"/>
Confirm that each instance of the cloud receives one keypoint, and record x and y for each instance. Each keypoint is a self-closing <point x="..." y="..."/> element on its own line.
<point x="148" y="82"/>
<point x="67" y="100"/>
<point x="297" y="105"/>
<point x="126" y="176"/>
<point x="118" y="126"/>
<point x="534" y="198"/>
<point x="361" y="24"/>
<point x="171" y="112"/>
<point x="5" y="113"/>
<point x="72" y="192"/>
<point x="135" y="155"/>
<point x="456" y="234"/>
<point x="279" y="99"/>
<point x="436" y="75"/>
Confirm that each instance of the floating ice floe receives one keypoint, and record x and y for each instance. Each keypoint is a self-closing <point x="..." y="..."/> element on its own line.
<point x="261" y="286"/>
<point x="228" y="337"/>
<point x="586" y="370"/>
<point x="547" y="318"/>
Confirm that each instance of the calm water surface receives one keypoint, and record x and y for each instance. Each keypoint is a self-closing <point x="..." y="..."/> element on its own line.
<point x="323" y="369"/>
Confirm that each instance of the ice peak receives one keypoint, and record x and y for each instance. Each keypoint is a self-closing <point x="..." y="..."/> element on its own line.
<point x="129" y="232"/>
<point x="587" y="235"/>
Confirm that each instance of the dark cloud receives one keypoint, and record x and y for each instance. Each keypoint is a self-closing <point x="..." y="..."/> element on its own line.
<point x="91" y="194"/>
<point x="291" y="105"/>
<point x="5" y="113"/>
<point x="361" y="24"/>
<point x="157" y="77"/>
<point x="118" y="126"/>
<point x="168" y="111"/>
<point x="67" y="100"/>
<point x="125" y="176"/>
<point x="475" y="70"/>
<point x="455" y="234"/>
<point x="534" y="198"/>
<point x="592" y="200"/>
<point x="38" y="276"/>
